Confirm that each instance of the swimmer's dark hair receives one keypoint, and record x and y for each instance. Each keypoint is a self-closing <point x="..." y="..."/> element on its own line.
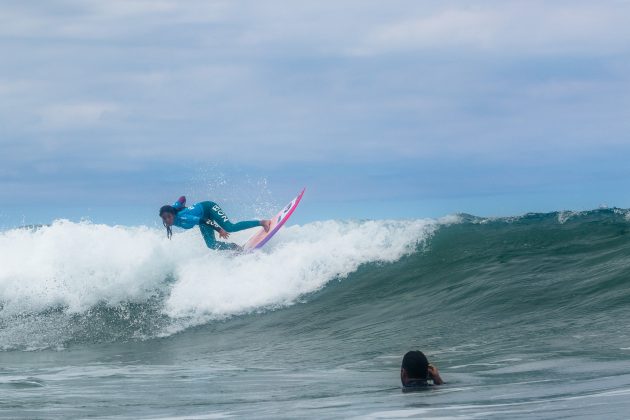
<point x="172" y="210"/>
<point x="416" y="365"/>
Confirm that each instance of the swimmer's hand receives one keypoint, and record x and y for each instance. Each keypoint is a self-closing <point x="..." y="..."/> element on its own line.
<point x="223" y="234"/>
<point x="434" y="374"/>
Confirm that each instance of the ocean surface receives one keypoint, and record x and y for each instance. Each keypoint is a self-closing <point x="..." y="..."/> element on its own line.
<point x="526" y="317"/>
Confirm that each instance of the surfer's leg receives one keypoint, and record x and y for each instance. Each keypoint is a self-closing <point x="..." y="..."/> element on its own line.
<point x="208" y="235"/>
<point x="218" y="215"/>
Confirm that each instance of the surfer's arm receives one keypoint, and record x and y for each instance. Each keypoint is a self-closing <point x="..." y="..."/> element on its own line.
<point x="186" y="221"/>
<point x="434" y="374"/>
<point x="214" y="226"/>
<point x="222" y="232"/>
<point x="180" y="203"/>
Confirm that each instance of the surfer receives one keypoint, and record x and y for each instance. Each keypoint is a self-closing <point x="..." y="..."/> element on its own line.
<point x="416" y="371"/>
<point x="210" y="218"/>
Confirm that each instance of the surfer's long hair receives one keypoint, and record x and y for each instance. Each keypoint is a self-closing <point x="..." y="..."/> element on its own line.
<point x="172" y="210"/>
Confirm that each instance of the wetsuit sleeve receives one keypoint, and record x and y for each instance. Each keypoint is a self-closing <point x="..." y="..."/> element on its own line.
<point x="180" y="203"/>
<point x="187" y="220"/>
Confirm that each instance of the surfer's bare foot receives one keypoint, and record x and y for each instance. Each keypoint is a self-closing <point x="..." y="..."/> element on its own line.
<point x="266" y="224"/>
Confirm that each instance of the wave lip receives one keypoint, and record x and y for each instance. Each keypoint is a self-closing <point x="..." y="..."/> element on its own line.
<point x="304" y="260"/>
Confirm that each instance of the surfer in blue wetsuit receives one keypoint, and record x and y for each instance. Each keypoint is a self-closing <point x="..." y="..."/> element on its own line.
<point x="210" y="218"/>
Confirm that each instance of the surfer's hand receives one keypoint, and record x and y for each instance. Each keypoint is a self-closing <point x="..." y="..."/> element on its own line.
<point x="223" y="234"/>
<point x="434" y="374"/>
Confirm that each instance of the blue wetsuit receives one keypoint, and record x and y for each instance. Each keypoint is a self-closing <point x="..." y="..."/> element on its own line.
<point x="209" y="217"/>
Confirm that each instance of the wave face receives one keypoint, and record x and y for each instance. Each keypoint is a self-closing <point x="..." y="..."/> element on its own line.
<point x="383" y="284"/>
<point x="82" y="282"/>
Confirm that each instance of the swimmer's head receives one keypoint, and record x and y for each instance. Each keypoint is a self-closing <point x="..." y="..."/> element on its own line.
<point x="414" y="367"/>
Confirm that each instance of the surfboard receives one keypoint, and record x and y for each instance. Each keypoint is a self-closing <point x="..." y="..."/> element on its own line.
<point x="261" y="237"/>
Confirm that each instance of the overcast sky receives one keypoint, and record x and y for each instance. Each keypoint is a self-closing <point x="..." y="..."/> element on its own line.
<point x="380" y="108"/>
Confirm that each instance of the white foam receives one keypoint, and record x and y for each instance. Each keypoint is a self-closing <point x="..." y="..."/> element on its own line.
<point x="565" y="215"/>
<point x="303" y="260"/>
<point x="78" y="265"/>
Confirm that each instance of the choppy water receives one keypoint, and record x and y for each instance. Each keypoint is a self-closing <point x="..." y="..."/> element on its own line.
<point x="526" y="317"/>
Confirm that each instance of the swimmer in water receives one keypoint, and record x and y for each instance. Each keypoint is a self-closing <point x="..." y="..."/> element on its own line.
<point x="416" y="372"/>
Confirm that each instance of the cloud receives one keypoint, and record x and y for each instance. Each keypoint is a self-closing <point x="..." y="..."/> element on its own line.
<point x="445" y="29"/>
<point x="266" y="84"/>
<point x="532" y="27"/>
<point x="83" y="20"/>
<point x="77" y="115"/>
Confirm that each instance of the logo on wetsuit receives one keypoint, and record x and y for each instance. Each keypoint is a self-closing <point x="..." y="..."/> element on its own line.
<point x="220" y="212"/>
